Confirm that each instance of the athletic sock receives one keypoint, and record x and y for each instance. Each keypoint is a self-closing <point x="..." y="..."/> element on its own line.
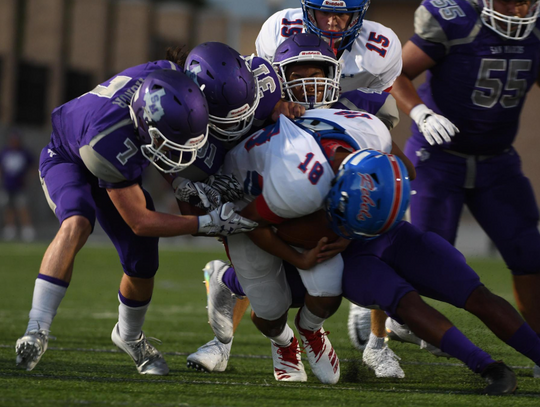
<point x="231" y="281"/>
<point x="48" y="293"/>
<point x="375" y="342"/>
<point x="285" y="338"/>
<point x="526" y="342"/>
<point x="309" y="321"/>
<point x="131" y="315"/>
<point x="459" y="346"/>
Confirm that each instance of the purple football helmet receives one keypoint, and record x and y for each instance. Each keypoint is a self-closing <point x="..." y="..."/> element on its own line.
<point x="357" y="9"/>
<point x="230" y="87"/>
<point x="171" y="115"/>
<point x="309" y="49"/>
<point x="369" y="195"/>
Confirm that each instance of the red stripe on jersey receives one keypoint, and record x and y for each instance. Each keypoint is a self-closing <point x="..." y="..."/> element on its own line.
<point x="265" y="212"/>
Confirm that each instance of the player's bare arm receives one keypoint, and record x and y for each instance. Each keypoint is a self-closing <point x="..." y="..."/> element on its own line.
<point x="265" y="237"/>
<point x="415" y="62"/>
<point x="131" y="204"/>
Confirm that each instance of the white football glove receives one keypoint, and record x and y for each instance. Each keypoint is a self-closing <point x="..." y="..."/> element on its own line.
<point x="198" y="194"/>
<point x="436" y="128"/>
<point x="224" y="221"/>
<point x="227" y="185"/>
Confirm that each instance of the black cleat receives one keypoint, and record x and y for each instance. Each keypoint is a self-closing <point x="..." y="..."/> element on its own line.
<point x="501" y="379"/>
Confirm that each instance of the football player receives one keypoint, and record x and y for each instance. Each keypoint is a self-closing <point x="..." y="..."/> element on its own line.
<point x="100" y="145"/>
<point x="370" y="57"/>
<point x="287" y="175"/>
<point x="482" y="58"/>
<point x="310" y="74"/>
<point x="242" y="93"/>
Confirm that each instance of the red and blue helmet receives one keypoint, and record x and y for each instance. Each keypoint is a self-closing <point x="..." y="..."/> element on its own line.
<point x="357" y="9"/>
<point x="369" y="195"/>
<point x="171" y="117"/>
<point x="230" y="87"/>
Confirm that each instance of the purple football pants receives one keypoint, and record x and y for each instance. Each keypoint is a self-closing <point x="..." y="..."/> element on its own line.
<point x="73" y="190"/>
<point x="494" y="189"/>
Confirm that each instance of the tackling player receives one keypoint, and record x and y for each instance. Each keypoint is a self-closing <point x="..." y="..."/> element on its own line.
<point x="100" y="145"/>
<point x="482" y="58"/>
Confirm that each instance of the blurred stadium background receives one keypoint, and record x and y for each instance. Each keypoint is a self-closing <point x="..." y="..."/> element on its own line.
<point x="54" y="50"/>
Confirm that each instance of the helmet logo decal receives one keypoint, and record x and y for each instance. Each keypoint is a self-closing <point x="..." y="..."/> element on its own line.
<point x="238" y="112"/>
<point x="193" y="72"/>
<point x="366" y="186"/>
<point x="334" y="3"/>
<point x="304" y="53"/>
<point x="153" y="110"/>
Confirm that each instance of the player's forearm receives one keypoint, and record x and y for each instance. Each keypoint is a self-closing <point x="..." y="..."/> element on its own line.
<point x="157" y="224"/>
<point x="267" y="240"/>
<point x="405" y="94"/>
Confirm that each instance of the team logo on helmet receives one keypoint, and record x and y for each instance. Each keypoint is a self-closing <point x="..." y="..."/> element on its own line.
<point x="153" y="110"/>
<point x="366" y="186"/>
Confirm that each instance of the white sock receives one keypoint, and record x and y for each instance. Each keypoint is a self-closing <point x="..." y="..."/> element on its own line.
<point x="284" y="338"/>
<point x="45" y="303"/>
<point x="309" y="321"/>
<point x="130" y="321"/>
<point x="375" y="342"/>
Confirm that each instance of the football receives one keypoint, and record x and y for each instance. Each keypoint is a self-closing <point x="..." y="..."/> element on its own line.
<point x="306" y="231"/>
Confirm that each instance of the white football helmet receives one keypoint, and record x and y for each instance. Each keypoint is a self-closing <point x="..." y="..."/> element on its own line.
<point x="511" y="27"/>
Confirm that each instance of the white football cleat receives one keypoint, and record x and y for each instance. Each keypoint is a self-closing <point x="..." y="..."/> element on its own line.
<point x="536" y="372"/>
<point x="321" y="355"/>
<point x="213" y="356"/>
<point x="359" y="325"/>
<point x="288" y="366"/>
<point x="220" y="301"/>
<point x="30" y="348"/>
<point x="384" y="362"/>
<point x="146" y="357"/>
<point x="402" y="333"/>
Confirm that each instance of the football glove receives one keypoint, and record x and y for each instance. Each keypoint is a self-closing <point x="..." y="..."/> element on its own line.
<point x="227" y="186"/>
<point x="198" y="194"/>
<point x="224" y="221"/>
<point x="436" y="129"/>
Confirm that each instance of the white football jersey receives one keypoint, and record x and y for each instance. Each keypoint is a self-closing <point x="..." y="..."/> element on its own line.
<point x="286" y="164"/>
<point x="373" y="61"/>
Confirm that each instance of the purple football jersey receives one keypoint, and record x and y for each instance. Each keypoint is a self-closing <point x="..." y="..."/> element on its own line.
<point x="480" y="79"/>
<point x="95" y="129"/>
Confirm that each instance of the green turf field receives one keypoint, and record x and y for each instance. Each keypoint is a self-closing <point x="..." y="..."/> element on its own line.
<point x="83" y="367"/>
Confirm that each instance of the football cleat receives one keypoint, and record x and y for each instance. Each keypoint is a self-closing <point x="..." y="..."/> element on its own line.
<point x="321" y="355"/>
<point x="536" y="372"/>
<point x="384" y="362"/>
<point x="500" y="378"/>
<point x="359" y="325"/>
<point x="402" y="333"/>
<point x="213" y="356"/>
<point x="146" y="357"/>
<point x="220" y="301"/>
<point x="288" y="366"/>
<point x="30" y="348"/>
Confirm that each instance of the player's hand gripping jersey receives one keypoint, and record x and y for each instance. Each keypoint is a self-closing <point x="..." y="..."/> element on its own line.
<point x="372" y="61"/>
<point x="480" y="79"/>
<point x="285" y="167"/>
